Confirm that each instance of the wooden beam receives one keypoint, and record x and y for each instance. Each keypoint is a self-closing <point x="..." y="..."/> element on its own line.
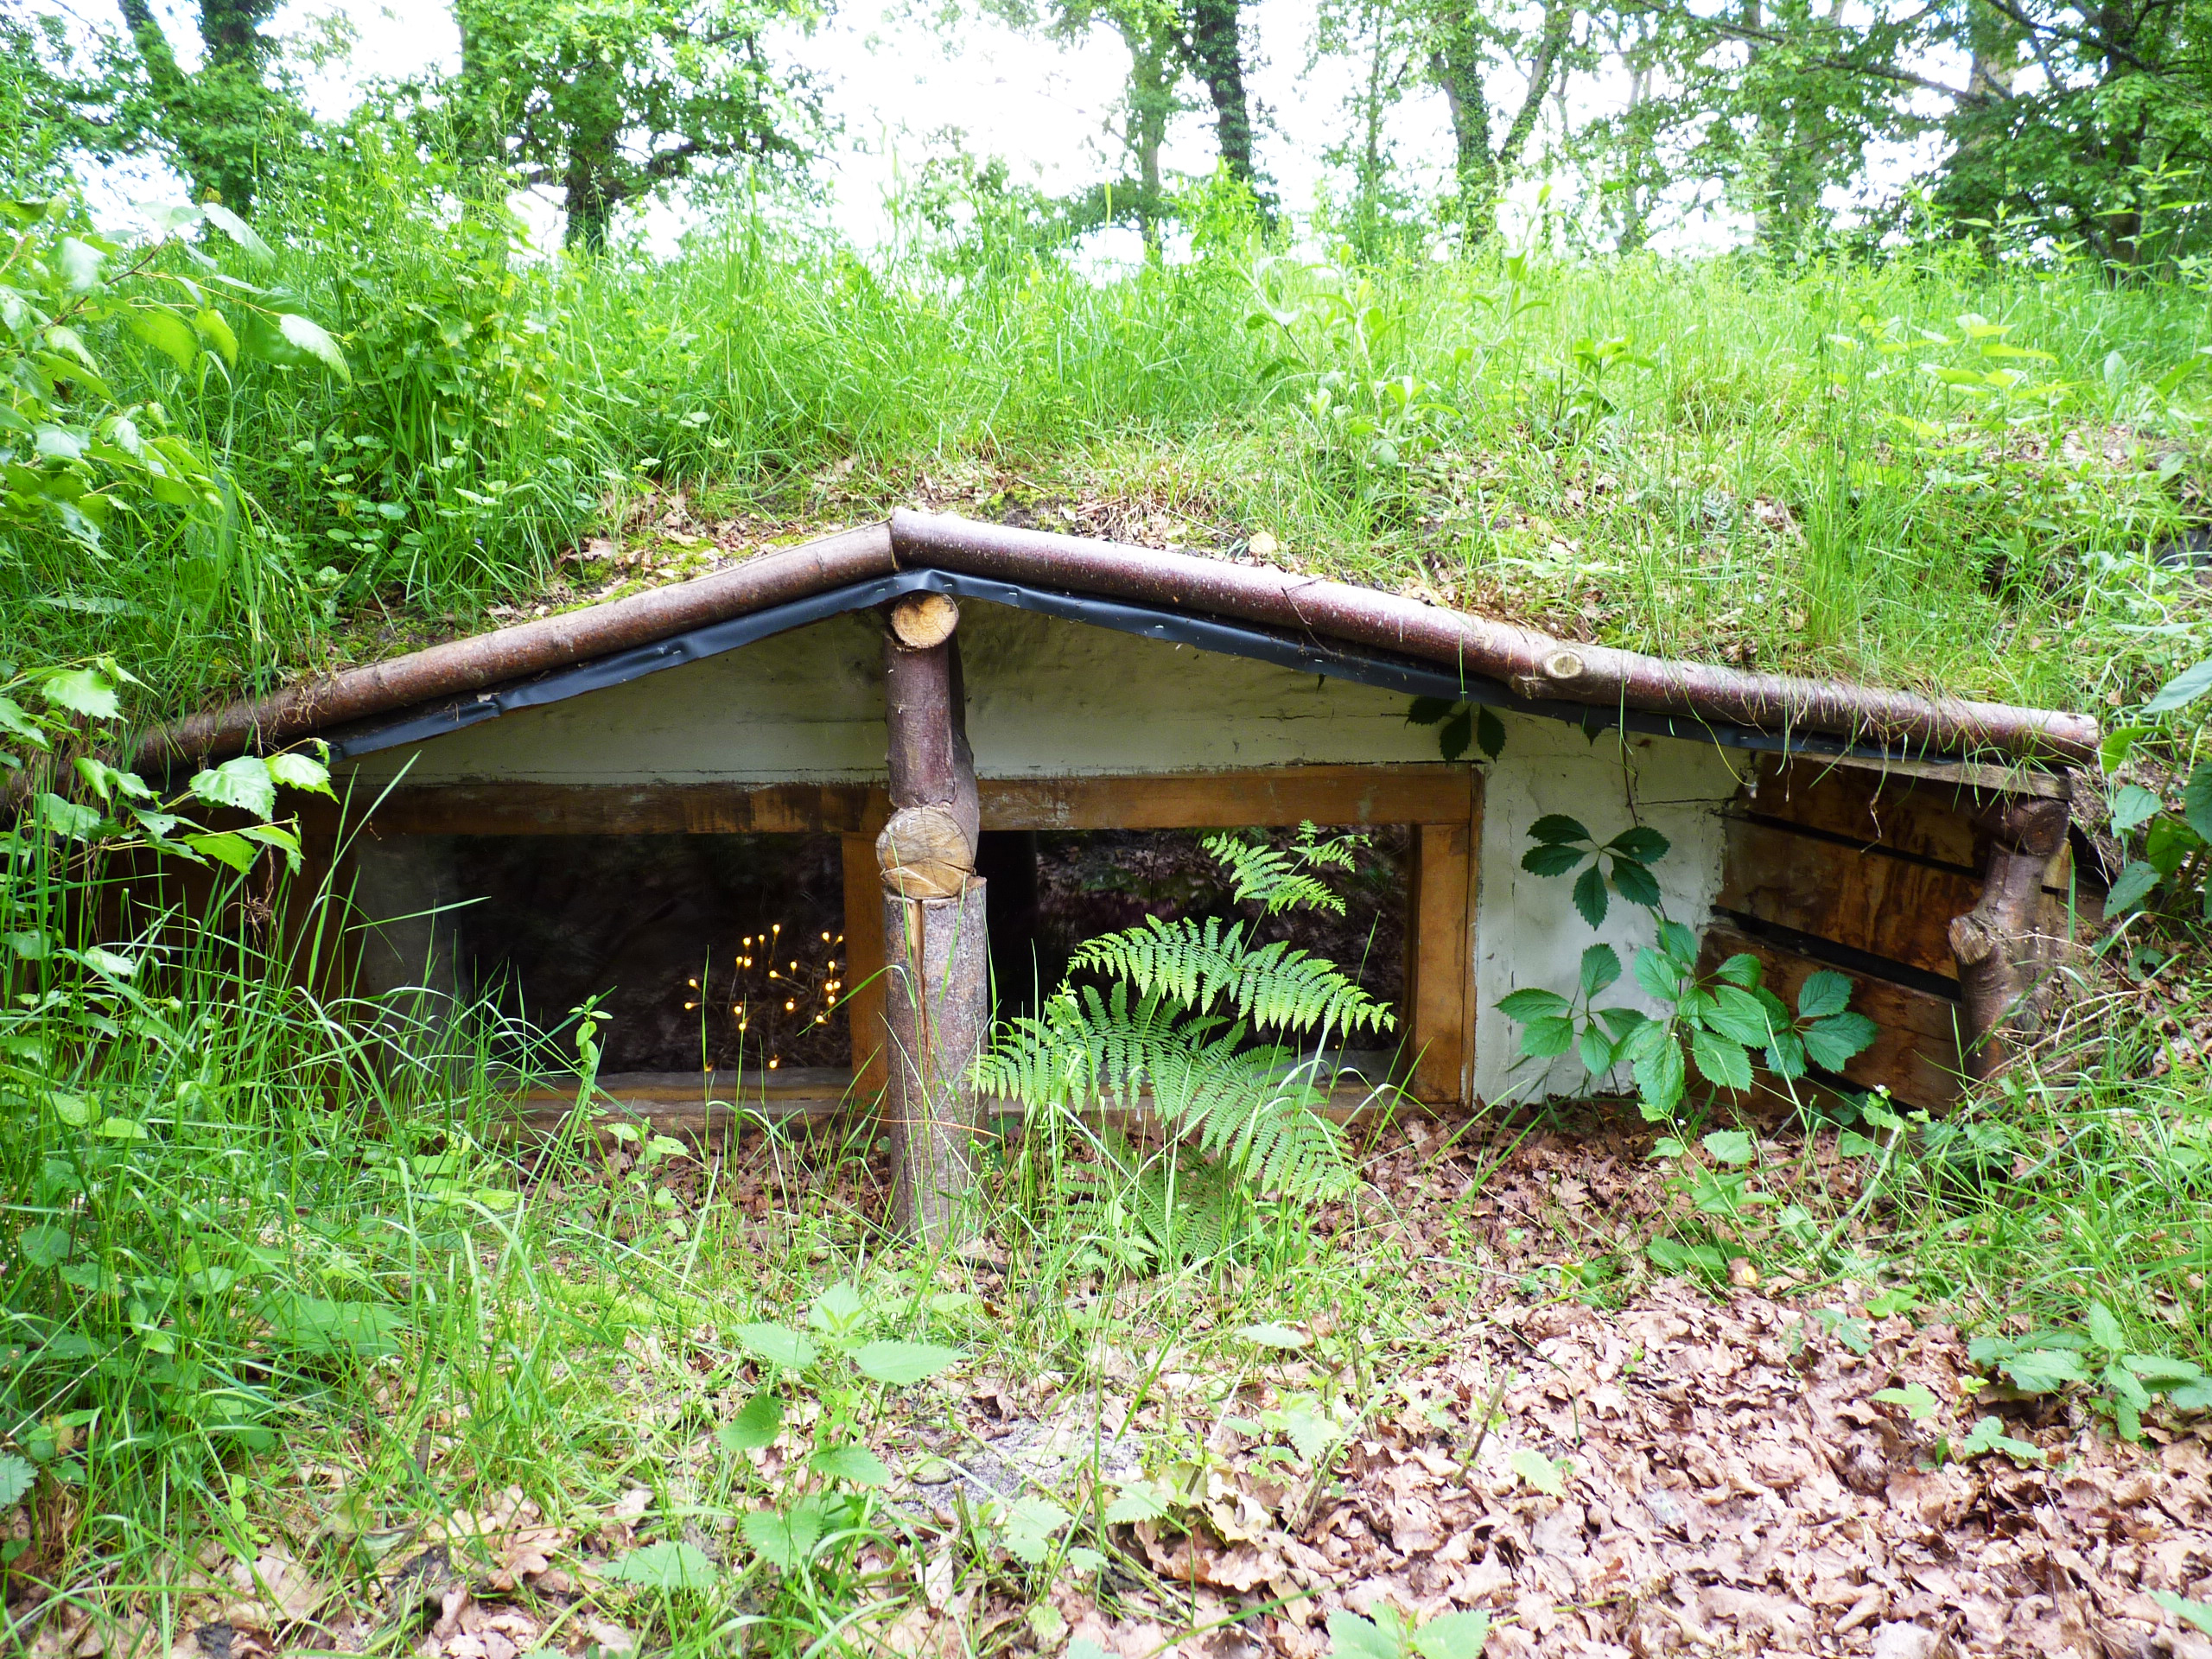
<point x="863" y="964"/>
<point x="534" y="808"/>
<point x="1208" y="800"/>
<point x="1916" y="1055"/>
<point x="1866" y="898"/>
<point x="1440" y="888"/>
<point x="1175" y="800"/>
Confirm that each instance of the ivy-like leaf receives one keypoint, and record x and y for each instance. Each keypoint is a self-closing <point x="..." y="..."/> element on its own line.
<point x="1832" y="1042"/>
<point x="1720" y="1061"/>
<point x="1455" y="735"/>
<point x="1660" y="1076"/>
<point x="1490" y="733"/>
<point x="1739" y="1016"/>
<point x="782" y="1348"/>
<point x="670" y="1564"/>
<point x="2182" y="690"/>
<point x="1658" y="975"/>
<point x="1028" y="1527"/>
<point x="900" y="1363"/>
<point x="1823" y="994"/>
<point x="243" y="782"/>
<point x="82" y="691"/>
<point x="2197" y="801"/>
<point x="1552" y="858"/>
<point x="1637" y="884"/>
<point x="1555" y="827"/>
<point x="310" y="337"/>
<point x="225" y="848"/>
<point x="1641" y="842"/>
<point x="755" y="1424"/>
<point x="1730" y="1147"/>
<point x="2131" y="885"/>
<point x="1547" y="1038"/>
<point x="1601" y="966"/>
<point x="297" y="770"/>
<point x="1532" y="1004"/>
<point x="786" y="1539"/>
<point x="1590" y="896"/>
<point x="854" y="1463"/>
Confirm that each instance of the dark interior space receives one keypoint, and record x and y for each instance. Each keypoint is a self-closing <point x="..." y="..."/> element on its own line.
<point x="728" y="952"/>
<point x="710" y="950"/>
<point x="1097" y="881"/>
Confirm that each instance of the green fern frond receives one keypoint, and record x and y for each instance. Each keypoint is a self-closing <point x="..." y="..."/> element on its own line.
<point x="1249" y="1107"/>
<point x="1276" y="987"/>
<point x="1184" y="998"/>
<point x="1278" y="879"/>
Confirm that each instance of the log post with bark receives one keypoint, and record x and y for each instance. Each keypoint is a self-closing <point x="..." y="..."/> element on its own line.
<point x="2004" y="952"/>
<point x="936" y="936"/>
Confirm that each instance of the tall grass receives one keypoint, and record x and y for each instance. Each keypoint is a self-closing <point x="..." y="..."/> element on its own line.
<point x="1718" y="458"/>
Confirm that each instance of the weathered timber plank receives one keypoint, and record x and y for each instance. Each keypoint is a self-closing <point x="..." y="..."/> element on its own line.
<point x="1919" y="816"/>
<point x="694" y="1107"/>
<point x="863" y="964"/>
<point x="1433" y="1019"/>
<point x="1865" y="898"/>
<point x="1916" y="1054"/>
<point x="532" y="808"/>
<point x="1277" y="795"/>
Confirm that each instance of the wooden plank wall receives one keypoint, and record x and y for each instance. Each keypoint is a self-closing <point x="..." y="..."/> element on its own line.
<point x="1842" y="865"/>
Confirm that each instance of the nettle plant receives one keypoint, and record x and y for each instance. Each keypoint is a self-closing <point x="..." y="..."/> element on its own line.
<point x="1711" y="1023"/>
<point x="2098" y="1355"/>
<point x="828" y="1505"/>
<point x="71" y="459"/>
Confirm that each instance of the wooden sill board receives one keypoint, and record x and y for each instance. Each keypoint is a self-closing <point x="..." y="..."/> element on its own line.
<point x="693" y="1106"/>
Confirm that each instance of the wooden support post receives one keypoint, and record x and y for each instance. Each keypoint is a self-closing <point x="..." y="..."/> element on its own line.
<point x="1436" y="1029"/>
<point x="2003" y="950"/>
<point x="863" y="964"/>
<point x="936" y="931"/>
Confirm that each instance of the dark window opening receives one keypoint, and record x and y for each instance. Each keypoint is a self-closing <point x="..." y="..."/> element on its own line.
<point x="1084" y="883"/>
<point x="719" y="952"/>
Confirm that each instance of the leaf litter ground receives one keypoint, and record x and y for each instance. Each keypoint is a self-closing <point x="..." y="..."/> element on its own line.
<point x="1613" y="1464"/>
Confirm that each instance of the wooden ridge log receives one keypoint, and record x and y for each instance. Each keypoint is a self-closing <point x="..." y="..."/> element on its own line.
<point x="936" y="931"/>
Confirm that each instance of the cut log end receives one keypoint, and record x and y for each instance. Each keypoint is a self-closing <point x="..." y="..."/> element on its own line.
<point x="926" y="852"/>
<point x="922" y="621"/>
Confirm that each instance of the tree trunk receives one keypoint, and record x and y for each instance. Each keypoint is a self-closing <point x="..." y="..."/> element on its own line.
<point x="1218" y="58"/>
<point x="936" y="929"/>
<point x="1152" y="98"/>
<point x="2004" y="957"/>
<point x="1455" y="62"/>
<point x="589" y="180"/>
<point x="1559" y="18"/>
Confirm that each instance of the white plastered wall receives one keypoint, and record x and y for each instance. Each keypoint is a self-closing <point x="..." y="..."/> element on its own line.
<point x="1528" y="932"/>
<point x="1050" y="698"/>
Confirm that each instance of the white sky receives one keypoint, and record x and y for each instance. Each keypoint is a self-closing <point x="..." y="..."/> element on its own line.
<point x="896" y="84"/>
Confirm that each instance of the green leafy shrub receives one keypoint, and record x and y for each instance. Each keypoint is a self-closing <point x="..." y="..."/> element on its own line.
<point x="810" y="1530"/>
<point x="175" y="1218"/>
<point x="1713" y="1024"/>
